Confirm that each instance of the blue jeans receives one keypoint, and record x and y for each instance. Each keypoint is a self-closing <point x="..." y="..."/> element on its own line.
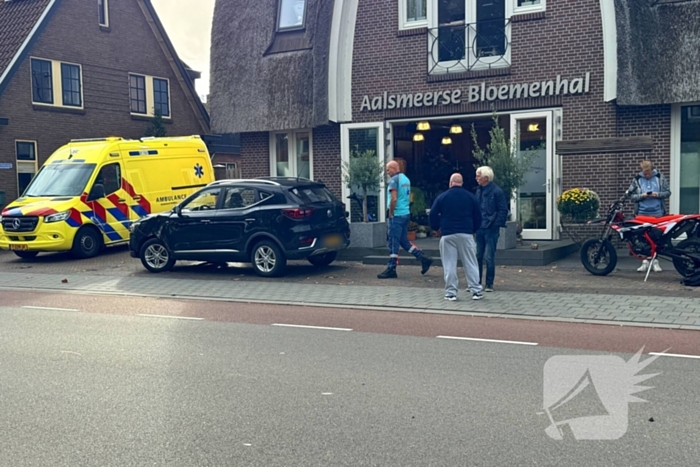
<point x="486" y="240"/>
<point x="397" y="236"/>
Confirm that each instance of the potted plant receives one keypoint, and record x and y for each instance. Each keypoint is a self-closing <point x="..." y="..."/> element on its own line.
<point x="509" y="167"/>
<point x="412" y="230"/>
<point x="362" y="175"/>
<point x="577" y="206"/>
<point x="422" y="231"/>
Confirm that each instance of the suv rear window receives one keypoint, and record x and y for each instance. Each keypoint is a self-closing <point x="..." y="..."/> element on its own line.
<point x="312" y="194"/>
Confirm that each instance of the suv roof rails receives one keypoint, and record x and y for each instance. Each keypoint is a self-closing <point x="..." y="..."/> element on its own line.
<point x="246" y="180"/>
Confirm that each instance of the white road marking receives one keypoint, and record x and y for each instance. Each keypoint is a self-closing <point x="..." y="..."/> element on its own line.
<point x="169" y="317"/>
<point x="49" y="308"/>
<point x="486" y="340"/>
<point x="674" y="355"/>
<point x="310" y="327"/>
<point x="326" y="393"/>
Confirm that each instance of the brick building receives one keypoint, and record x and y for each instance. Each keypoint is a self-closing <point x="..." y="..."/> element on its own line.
<point x="593" y="86"/>
<point x="74" y="69"/>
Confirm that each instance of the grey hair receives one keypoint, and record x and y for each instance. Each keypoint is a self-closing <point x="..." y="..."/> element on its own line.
<point x="485" y="171"/>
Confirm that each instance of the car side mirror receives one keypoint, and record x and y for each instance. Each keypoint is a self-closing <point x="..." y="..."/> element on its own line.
<point x="178" y="211"/>
<point x="97" y="192"/>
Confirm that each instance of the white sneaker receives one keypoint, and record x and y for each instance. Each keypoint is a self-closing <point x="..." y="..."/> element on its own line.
<point x="644" y="266"/>
<point x="656" y="266"/>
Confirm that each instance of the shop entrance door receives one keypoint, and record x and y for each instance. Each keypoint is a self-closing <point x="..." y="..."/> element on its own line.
<point x="358" y="138"/>
<point x="534" y="201"/>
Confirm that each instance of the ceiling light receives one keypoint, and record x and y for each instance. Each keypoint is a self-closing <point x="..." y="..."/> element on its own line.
<point x="533" y="127"/>
<point x="456" y="129"/>
<point x="418" y="137"/>
<point x="423" y="126"/>
<point x="446" y="140"/>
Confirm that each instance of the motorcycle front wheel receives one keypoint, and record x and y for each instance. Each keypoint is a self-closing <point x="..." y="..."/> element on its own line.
<point x="598" y="257"/>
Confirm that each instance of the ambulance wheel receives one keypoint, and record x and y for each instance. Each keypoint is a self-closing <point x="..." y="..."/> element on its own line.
<point x="155" y="256"/>
<point x="27" y="254"/>
<point x="87" y="243"/>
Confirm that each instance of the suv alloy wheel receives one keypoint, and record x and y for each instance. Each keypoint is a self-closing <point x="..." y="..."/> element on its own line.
<point x="155" y="256"/>
<point x="267" y="259"/>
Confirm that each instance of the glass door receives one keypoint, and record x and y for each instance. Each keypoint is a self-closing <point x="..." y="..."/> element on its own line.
<point x="689" y="186"/>
<point x="356" y="138"/>
<point x="534" y="201"/>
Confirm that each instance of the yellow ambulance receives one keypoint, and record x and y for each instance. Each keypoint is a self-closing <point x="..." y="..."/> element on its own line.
<point x="89" y="192"/>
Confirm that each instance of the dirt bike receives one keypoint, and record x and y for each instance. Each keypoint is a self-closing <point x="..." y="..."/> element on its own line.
<point x="647" y="237"/>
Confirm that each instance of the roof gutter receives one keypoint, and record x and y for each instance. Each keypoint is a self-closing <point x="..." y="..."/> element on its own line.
<point x="11" y="68"/>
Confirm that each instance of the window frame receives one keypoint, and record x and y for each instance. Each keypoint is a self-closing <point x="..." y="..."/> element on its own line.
<point x="292" y="152"/>
<point x="521" y="10"/>
<point x="291" y="28"/>
<point x="103" y="12"/>
<point x="137" y="100"/>
<point x="437" y="67"/>
<point x="161" y="93"/>
<point x="25" y="162"/>
<point x="32" y="61"/>
<point x="404" y="23"/>
<point x="150" y="95"/>
<point x="57" y="83"/>
<point x="71" y="79"/>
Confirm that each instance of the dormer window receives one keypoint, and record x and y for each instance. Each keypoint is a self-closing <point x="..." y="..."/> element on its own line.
<point x="291" y="15"/>
<point x="103" y="12"/>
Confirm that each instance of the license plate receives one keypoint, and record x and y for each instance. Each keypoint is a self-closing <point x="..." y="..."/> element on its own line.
<point x="333" y="240"/>
<point x="19" y="247"/>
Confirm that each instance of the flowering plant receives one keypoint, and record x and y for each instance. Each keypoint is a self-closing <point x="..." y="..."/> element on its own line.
<point x="578" y="204"/>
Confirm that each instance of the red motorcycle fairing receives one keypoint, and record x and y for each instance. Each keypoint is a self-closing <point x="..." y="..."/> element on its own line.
<point x="659" y="220"/>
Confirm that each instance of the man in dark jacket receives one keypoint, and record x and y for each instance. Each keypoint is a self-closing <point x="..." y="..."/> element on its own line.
<point x="494" y="212"/>
<point x="456" y="213"/>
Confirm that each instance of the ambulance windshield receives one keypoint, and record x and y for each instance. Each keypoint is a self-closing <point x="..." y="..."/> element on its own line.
<point x="60" y="180"/>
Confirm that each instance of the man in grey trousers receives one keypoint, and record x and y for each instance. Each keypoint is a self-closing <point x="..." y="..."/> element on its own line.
<point x="457" y="214"/>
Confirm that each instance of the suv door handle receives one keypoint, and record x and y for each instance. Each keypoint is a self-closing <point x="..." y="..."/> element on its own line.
<point x="205" y="221"/>
<point x="250" y="220"/>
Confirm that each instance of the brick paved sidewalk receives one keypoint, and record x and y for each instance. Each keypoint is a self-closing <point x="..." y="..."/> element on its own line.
<point x="670" y="312"/>
<point x="565" y="276"/>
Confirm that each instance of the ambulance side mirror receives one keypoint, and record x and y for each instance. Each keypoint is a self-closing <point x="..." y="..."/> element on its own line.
<point x="97" y="192"/>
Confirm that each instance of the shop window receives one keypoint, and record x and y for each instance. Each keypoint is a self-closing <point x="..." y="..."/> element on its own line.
<point x="50" y="75"/>
<point x="291" y="155"/>
<point x="149" y="94"/>
<point x="689" y="189"/>
<point x="466" y="35"/>
<point x="413" y="14"/>
<point x="26" y="164"/>
<point x="103" y="12"/>
<point x="291" y="15"/>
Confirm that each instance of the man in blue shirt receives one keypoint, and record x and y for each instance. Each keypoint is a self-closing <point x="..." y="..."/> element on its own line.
<point x="457" y="214"/>
<point x="398" y="201"/>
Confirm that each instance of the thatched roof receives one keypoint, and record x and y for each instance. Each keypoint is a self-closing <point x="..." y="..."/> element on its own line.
<point x="658" y="50"/>
<point x="264" y="80"/>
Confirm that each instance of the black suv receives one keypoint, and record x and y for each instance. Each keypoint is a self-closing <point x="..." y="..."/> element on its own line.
<point x="264" y="221"/>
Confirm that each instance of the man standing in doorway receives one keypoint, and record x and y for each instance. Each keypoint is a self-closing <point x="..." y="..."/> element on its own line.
<point x="457" y="214"/>
<point x="494" y="212"/>
<point x="398" y="201"/>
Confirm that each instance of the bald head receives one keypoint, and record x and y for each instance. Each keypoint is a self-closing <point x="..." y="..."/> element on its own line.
<point x="392" y="168"/>
<point x="456" y="180"/>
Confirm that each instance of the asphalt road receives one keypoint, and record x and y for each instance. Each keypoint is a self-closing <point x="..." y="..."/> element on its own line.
<point x="88" y="380"/>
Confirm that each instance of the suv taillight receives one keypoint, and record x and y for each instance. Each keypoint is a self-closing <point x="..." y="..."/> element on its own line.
<point x="297" y="214"/>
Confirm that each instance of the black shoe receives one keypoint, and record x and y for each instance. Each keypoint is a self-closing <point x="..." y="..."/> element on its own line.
<point x="426" y="261"/>
<point x="388" y="273"/>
